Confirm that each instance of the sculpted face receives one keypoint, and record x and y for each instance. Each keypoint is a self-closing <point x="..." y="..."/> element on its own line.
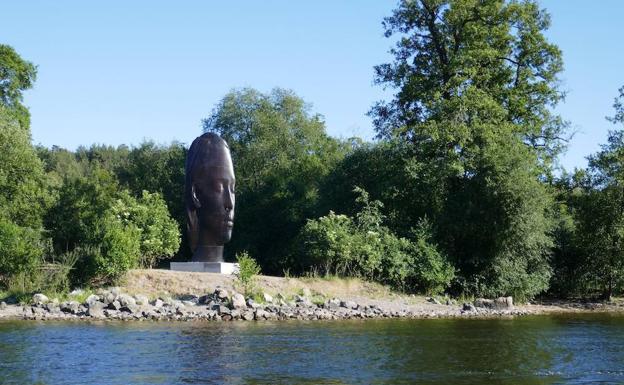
<point x="213" y="196"/>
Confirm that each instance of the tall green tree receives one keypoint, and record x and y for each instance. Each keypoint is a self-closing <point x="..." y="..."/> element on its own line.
<point x="568" y="259"/>
<point x="449" y="50"/>
<point x="23" y="197"/>
<point x="157" y="168"/>
<point x="81" y="203"/>
<point x="281" y="154"/>
<point x="390" y="172"/>
<point x="16" y="76"/>
<point x="475" y="81"/>
<point x="600" y="212"/>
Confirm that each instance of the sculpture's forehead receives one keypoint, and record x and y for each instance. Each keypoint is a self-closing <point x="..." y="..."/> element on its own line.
<point x="216" y="162"/>
<point x="218" y="172"/>
<point x="217" y="155"/>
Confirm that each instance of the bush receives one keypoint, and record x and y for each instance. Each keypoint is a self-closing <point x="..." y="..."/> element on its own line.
<point x="327" y="244"/>
<point x="160" y="236"/>
<point x="363" y="247"/>
<point x="111" y="250"/>
<point x="21" y="248"/>
<point x="51" y="278"/>
<point x="432" y="271"/>
<point x="114" y="230"/>
<point x="84" y="268"/>
<point x="119" y="249"/>
<point x="247" y="270"/>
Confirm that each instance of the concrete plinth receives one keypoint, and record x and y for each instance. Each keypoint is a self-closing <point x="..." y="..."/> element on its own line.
<point x="205" y="267"/>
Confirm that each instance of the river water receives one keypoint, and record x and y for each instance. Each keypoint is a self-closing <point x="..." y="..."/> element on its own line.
<point x="527" y="350"/>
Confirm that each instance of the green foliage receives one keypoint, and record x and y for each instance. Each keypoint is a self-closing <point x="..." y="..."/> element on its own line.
<point x="600" y="216"/>
<point x="23" y="197"/>
<point x="160" y="169"/>
<point x="49" y="277"/>
<point x="148" y="167"/>
<point x="327" y="243"/>
<point x="476" y="83"/>
<point x="247" y="270"/>
<point x="394" y="174"/>
<point x="120" y="247"/>
<point x="497" y="226"/>
<point x="160" y="236"/>
<point x="364" y="247"/>
<point x="84" y="270"/>
<point x="281" y="154"/>
<point x="16" y="76"/>
<point x="588" y="257"/>
<point x="428" y="269"/>
<point x="565" y="260"/>
<point x="94" y="211"/>
<point x="21" y="249"/>
<point x="81" y="203"/>
<point x="450" y="52"/>
<point x="493" y="222"/>
<point x="601" y="212"/>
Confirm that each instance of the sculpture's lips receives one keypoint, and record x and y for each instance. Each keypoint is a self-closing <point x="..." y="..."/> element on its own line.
<point x="229" y="223"/>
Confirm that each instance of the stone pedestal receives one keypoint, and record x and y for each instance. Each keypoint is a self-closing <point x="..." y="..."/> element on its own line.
<point x="205" y="267"/>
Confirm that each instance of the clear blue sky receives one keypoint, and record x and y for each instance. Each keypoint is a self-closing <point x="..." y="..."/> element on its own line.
<point x="120" y="71"/>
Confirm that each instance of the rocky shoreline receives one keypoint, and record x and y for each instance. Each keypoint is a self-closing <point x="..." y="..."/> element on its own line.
<point x="221" y="305"/>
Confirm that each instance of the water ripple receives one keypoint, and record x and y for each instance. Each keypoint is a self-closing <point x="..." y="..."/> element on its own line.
<point x="529" y="350"/>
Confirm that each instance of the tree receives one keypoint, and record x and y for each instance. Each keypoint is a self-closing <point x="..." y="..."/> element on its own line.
<point x="23" y="199"/>
<point x="81" y="202"/>
<point x="602" y="214"/>
<point x="21" y="249"/>
<point x="475" y="83"/>
<point x="61" y="164"/>
<point x="23" y="195"/>
<point x="569" y="277"/>
<point x="156" y="168"/>
<point x="362" y="246"/>
<point x="589" y="253"/>
<point x="281" y="154"/>
<point x="160" y="235"/>
<point x="94" y="213"/>
<point x="391" y="173"/>
<point x="453" y="49"/>
<point x="600" y="236"/>
<point x="16" y="76"/>
<point x="119" y="247"/>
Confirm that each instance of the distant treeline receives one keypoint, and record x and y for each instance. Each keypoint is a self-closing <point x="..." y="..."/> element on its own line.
<point x="461" y="192"/>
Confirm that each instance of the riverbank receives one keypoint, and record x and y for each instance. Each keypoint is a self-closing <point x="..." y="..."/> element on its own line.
<point x="179" y="296"/>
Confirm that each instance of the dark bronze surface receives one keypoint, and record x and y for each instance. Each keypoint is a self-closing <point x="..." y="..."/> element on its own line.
<point x="209" y="197"/>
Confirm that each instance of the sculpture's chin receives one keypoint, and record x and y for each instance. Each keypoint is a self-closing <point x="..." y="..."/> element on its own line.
<point x="226" y="235"/>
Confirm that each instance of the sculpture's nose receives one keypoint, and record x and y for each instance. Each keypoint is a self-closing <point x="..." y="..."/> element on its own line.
<point x="229" y="201"/>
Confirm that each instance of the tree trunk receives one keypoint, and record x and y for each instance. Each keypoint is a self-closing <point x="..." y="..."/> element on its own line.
<point x="608" y="291"/>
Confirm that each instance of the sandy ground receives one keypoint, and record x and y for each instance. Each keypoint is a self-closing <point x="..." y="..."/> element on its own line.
<point x="165" y="282"/>
<point x="155" y="282"/>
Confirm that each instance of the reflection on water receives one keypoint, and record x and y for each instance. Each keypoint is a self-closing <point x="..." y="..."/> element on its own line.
<point x="530" y="350"/>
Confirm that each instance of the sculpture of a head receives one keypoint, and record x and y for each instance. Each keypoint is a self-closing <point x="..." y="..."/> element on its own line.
<point x="209" y="197"/>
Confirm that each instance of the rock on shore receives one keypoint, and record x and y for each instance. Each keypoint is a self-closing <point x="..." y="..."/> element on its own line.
<point x="221" y="305"/>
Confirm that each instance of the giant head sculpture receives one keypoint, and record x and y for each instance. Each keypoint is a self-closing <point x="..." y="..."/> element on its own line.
<point x="209" y="197"/>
